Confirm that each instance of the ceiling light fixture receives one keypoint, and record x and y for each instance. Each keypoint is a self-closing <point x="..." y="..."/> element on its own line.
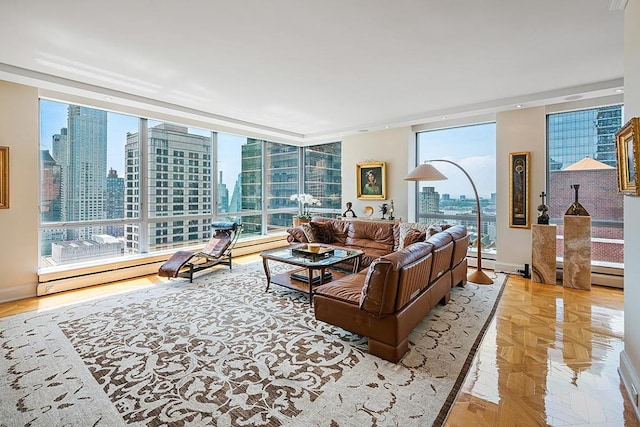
<point x="519" y="106"/>
<point x="619" y="90"/>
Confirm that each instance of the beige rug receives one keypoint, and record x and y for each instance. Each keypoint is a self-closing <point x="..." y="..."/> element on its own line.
<point x="223" y="352"/>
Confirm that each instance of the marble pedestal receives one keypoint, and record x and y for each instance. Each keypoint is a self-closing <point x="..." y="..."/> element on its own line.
<point x="543" y="253"/>
<point x="577" y="252"/>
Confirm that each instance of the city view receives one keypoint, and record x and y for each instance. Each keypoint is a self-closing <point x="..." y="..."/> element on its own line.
<point x="95" y="203"/>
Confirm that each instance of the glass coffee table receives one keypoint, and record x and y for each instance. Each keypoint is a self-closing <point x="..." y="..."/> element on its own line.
<point x="314" y="266"/>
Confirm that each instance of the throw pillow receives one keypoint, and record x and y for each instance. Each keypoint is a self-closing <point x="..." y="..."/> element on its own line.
<point x="430" y="230"/>
<point x="414" y="236"/>
<point x="308" y="232"/>
<point x="296" y="234"/>
<point x="323" y="232"/>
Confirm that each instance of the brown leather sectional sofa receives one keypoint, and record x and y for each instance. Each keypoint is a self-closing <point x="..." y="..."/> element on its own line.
<point x="388" y="298"/>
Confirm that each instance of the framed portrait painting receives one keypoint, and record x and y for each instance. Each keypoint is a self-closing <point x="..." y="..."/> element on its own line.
<point x="4" y="177"/>
<point x="371" y="181"/>
<point x="519" y="190"/>
<point x="628" y="157"/>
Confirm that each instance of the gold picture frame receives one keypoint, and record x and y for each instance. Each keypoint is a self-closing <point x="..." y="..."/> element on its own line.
<point x="4" y="177"/>
<point x="628" y="157"/>
<point x="519" y="212"/>
<point x="371" y="181"/>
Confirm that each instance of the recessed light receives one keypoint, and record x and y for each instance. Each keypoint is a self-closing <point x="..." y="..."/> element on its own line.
<point x="519" y="106"/>
<point x="619" y="90"/>
<point x="444" y="118"/>
<point x="197" y="117"/>
<point x="108" y="98"/>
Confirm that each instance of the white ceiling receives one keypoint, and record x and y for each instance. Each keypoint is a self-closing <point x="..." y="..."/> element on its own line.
<point x="316" y="68"/>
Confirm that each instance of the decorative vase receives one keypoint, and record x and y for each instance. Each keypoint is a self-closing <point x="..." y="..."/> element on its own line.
<point x="298" y="221"/>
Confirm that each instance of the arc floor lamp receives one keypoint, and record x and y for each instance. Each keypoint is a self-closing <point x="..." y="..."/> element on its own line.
<point x="428" y="172"/>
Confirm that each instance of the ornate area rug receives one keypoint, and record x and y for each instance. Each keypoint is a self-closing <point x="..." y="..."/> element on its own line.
<point x="221" y="351"/>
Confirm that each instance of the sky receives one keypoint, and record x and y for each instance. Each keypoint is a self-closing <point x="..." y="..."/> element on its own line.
<point x="53" y="117"/>
<point x="471" y="147"/>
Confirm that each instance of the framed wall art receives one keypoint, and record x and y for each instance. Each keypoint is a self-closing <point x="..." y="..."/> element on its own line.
<point x="4" y="177"/>
<point x="628" y="157"/>
<point x="519" y="216"/>
<point x="371" y="181"/>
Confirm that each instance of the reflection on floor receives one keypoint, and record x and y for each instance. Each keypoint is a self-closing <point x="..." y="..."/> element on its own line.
<point x="550" y="357"/>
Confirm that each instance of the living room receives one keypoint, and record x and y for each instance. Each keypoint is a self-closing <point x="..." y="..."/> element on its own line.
<point x="517" y="130"/>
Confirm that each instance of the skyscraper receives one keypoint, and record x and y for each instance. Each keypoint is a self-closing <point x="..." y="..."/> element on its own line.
<point x="114" y="202"/>
<point x="84" y="167"/>
<point x="223" y="196"/>
<point x="429" y="200"/>
<point x="179" y="167"/>
<point x="323" y="173"/>
<point x="575" y="135"/>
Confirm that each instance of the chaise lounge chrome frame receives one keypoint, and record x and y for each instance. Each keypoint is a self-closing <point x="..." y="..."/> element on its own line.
<point x="218" y="251"/>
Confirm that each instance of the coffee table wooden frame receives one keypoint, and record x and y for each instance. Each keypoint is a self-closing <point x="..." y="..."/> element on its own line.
<point x="284" y="256"/>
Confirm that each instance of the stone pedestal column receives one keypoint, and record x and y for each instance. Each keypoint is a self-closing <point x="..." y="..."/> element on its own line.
<point x="543" y="254"/>
<point x="577" y="252"/>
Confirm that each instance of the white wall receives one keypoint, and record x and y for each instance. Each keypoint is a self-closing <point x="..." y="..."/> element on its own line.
<point x="518" y="131"/>
<point x="390" y="146"/>
<point x="19" y="223"/>
<point x="630" y="356"/>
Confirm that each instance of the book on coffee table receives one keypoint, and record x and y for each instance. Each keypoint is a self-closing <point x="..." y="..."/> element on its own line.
<point x="303" y="276"/>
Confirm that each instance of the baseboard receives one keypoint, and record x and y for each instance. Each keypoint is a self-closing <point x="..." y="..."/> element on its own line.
<point x="610" y="280"/>
<point x="501" y="267"/>
<point x="61" y="281"/>
<point x="630" y="380"/>
<point x="16" y="293"/>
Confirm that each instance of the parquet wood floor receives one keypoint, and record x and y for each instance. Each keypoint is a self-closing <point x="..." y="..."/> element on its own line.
<point x="550" y="356"/>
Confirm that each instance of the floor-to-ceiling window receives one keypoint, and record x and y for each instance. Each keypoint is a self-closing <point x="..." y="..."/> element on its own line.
<point x="453" y="201"/>
<point x="581" y="150"/>
<point x="83" y="168"/>
<point x="114" y="185"/>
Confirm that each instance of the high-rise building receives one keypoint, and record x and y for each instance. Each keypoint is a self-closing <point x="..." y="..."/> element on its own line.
<point x="223" y="196"/>
<point x="575" y="135"/>
<point x="429" y="200"/>
<point x="114" y="202"/>
<point x="50" y="200"/>
<point x="179" y="167"/>
<point x="50" y="194"/>
<point x="84" y="168"/>
<point x="323" y="174"/>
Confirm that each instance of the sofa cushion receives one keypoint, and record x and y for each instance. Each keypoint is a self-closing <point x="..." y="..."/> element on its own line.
<point x="404" y="227"/>
<point x="457" y="231"/>
<point x="372" y="235"/>
<point x="323" y="232"/>
<point x="440" y="239"/>
<point x="346" y="289"/>
<point x="381" y="283"/>
<point x="414" y="236"/>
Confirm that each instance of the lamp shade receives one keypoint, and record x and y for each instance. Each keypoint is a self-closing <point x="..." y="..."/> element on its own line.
<point x="425" y="172"/>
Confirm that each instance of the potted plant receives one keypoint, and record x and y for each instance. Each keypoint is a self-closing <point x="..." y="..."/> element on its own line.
<point x="305" y="201"/>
